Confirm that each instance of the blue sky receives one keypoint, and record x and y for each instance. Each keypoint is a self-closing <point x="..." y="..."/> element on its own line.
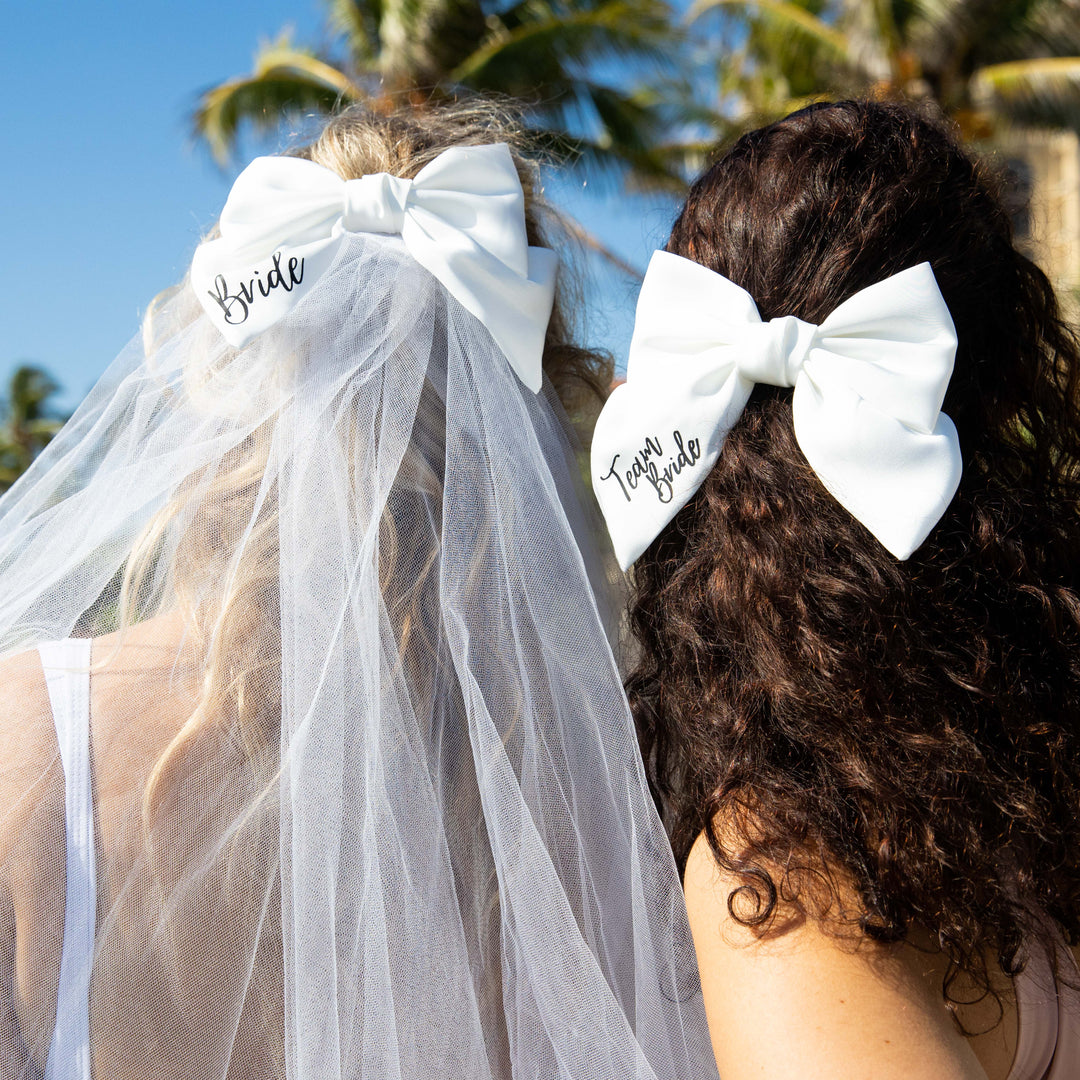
<point x="103" y="196"/>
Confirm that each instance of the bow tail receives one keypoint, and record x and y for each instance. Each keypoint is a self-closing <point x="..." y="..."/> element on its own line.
<point x="896" y="479"/>
<point x="514" y="309"/>
<point x="654" y="443"/>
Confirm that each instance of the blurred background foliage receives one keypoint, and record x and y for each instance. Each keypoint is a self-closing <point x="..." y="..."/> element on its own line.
<point x="987" y="64"/>
<point x="639" y="92"/>
<point x="642" y="87"/>
<point x="564" y="61"/>
<point x="27" y="421"/>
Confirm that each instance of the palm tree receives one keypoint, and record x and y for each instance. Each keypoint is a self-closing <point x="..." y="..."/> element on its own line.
<point x="547" y="55"/>
<point x="28" y="423"/>
<point x="988" y="64"/>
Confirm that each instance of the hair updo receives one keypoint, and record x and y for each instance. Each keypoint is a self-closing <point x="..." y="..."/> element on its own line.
<point x="359" y="141"/>
<point x="837" y="722"/>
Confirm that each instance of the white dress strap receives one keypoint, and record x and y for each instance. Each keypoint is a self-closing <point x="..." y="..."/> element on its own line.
<point x="67" y="677"/>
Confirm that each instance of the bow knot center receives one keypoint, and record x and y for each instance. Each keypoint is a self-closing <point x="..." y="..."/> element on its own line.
<point x="375" y="203"/>
<point x="774" y="352"/>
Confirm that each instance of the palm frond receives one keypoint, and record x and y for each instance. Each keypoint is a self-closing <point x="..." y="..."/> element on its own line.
<point x="28" y="389"/>
<point x="1035" y="28"/>
<point x="43" y="429"/>
<point x="285" y="78"/>
<point x="27" y="421"/>
<point x="957" y="37"/>
<point x="630" y="131"/>
<point x="784" y="16"/>
<point x="422" y="41"/>
<point x="547" y="53"/>
<point x="1041" y="92"/>
<point x="566" y="63"/>
<point x="357" y="22"/>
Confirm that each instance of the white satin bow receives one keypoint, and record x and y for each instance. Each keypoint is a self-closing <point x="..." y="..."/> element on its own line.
<point x="462" y="218"/>
<point x="869" y="385"/>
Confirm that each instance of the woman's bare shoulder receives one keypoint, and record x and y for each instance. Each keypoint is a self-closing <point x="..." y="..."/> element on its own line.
<point x="140" y="683"/>
<point x="148" y="653"/>
<point x="31" y="777"/>
<point x="27" y="734"/>
<point x="800" y="998"/>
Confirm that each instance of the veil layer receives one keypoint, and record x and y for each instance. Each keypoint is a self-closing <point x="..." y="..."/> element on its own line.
<point x="366" y="793"/>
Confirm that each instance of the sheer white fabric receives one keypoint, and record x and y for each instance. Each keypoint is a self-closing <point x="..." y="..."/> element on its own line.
<point x="367" y="791"/>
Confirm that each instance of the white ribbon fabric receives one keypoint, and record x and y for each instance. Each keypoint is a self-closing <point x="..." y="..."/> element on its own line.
<point x="462" y="218"/>
<point x="869" y="384"/>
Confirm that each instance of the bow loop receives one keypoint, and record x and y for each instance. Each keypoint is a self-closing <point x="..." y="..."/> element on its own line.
<point x="462" y="218"/>
<point x="376" y="203"/>
<point x="869" y="385"/>
<point x="774" y="352"/>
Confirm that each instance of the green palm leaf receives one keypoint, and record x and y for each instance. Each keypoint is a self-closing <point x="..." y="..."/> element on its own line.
<point x="786" y="17"/>
<point x="28" y="423"/>
<point x="422" y="41"/>
<point x="541" y="53"/>
<point x="284" y="79"/>
<point x="358" y="24"/>
<point x="550" y="49"/>
<point x="1041" y="92"/>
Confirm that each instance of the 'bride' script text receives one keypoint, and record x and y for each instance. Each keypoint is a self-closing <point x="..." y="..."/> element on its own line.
<point x="237" y="305"/>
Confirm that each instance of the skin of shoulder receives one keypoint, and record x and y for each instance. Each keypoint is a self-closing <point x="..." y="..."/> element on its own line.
<point x="28" y="749"/>
<point x="30" y="768"/>
<point x="32" y="851"/>
<point x="31" y="776"/>
<point x="803" y="1000"/>
<point x="126" y="739"/>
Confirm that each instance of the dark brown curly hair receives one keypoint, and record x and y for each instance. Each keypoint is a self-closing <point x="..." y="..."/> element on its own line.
<point x="828" y="715"/>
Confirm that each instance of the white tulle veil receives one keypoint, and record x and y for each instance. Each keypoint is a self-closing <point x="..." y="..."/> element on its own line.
<point x="367" y="793"/>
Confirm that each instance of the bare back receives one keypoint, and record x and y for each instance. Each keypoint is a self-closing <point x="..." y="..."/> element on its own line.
<point x="178" y="959"/>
